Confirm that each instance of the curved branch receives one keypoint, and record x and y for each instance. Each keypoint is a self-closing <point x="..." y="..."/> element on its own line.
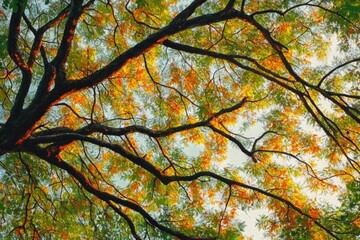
<point x="127" y="219"/>
<point x="13" y="37"/>
<point x="243" y="185"/>
<point x="68" y="35"/>
<point x="12" y="46"/>
<point x="143" y="46"/>
<point x="54" y="159"/>
<point x="232" y="139"/>
<point x="232" y="59"/>
<point x="278" y="49"/>
<point x="229" y="57"/>
<point x="37" y="44"/>
<point x="165" y="86"/>
<point x="336" y="68"/>
<point x="106" y="197"/>
<point x="282" y="13"/>
<point x="46" y="155"/>
<point x="59" y="134"/>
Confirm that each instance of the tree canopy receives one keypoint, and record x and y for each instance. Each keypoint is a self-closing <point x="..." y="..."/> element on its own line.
<point x="169" y="119"/>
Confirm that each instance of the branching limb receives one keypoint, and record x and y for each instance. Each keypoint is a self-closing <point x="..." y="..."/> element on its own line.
<point x="13" y="37"/>
<point x="14" y="53"/>
<point x="232" y="139"/>
<point x="61" y="134"/>
<point x="107" y="197"/>
<point x="273" y="77"/>
<point x="335" y="69"/>
<point x="68" y="35"/>
<point x="127" y="219"/>
<point x="143" y="46"/>
<point x="55" y="160"/>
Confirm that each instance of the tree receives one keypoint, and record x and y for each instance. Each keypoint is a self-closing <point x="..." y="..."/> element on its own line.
<point x="119" y="117"/>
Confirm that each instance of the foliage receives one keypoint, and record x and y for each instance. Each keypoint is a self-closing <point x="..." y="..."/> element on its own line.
<point x="170" y="119"/>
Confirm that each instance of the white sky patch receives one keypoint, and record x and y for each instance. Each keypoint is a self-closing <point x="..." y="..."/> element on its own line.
<point x="249" y="217"/>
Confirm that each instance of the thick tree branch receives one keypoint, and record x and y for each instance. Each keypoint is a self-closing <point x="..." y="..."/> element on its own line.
<point x="37" y="44"/>
<point x="232" y="139"/>
<point x="278" y="49"/>
<point x="107" y="147"/>
<point x="232" y="59"/>
<point x="229" y="57"/>
<point x="127" y="219"/>
<point x="105" y="196"/>
<point x="14" y="53"/>
<point x="68" y="35"/>
<point x="57" y="161"/>
<point x="13" y="37"/>
<point x="143" y="46"/>
<point x="55" y="134"/>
